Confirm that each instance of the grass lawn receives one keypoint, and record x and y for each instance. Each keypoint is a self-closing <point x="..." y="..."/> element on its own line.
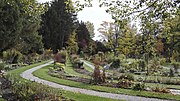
<point x="67" y="94"/>
<point x="70" y="71"/>
<point x="1" y="99"/>
<point x="42" y="73"/>
<point x="88" y="68"/>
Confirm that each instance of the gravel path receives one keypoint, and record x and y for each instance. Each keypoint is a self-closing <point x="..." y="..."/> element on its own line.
<point x="28" y="75"/>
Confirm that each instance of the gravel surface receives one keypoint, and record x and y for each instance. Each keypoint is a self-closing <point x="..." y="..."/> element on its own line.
<point x="175" y="91"/>
<point x="28" y="75"/>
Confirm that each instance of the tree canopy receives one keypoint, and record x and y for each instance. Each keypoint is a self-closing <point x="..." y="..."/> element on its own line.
<point x="20" y="21"/>
<point x="57" y="24"/>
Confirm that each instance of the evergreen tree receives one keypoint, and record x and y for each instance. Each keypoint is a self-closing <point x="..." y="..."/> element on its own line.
<point x="57" y="24"/>
<point x="30" y="40"/>
<point x="83" y="37"/>
<point x="20" y="21"/>
<point x="72" y="44"/>
<point x="10" y="24"/>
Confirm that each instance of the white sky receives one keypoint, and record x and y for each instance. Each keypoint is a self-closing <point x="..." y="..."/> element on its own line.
<point x="93" y="14"/>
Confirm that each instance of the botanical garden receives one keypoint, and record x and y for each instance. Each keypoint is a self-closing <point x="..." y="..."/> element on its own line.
<point x="48" y="54"/>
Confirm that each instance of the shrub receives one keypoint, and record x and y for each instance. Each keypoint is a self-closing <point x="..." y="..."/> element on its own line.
<point x="59" y="66"/>
<point x="82" y="54"/>
<point x="96" y="60"/>
<point x="176" y="66"/>
<point x="78" y="63"/>
<point x="133" y="64"/>
<point x="47" y="54"/>
<point x="2" y="66"/>
<point x="161" y="90"/>
<point x="122" y="56"/>
<point x="63" y="54"/>
<point x="35" y="57"/>
<point x="115" y="63"/>
<point x="138" y="86"/>
<point x="12" y="56"/>
<point x="60" y="58"/>
<point x="124" y="83"/>
<point x="121" y="70"/>
<point x="154" y="66"/>
<point x="165" y="73"/>
<point x="73" y="57"/>
<point x="109" y="57"/>
<point x="29" y="91"/>
<point x="133" y="67"/>
<point x="162" y="61"/>
<point x="163" y="80"/>
<point x="31" y="58"/>
<point x="98" y="77"/>
<point x="142" y="65"/>
<point x="100" y="54"/>
<point x="129" y="77"/>
<point x="172" y="72"/>
<point x="125" y="65"/>
<point x="175" y="56"/>
<point x="165" y="90"/>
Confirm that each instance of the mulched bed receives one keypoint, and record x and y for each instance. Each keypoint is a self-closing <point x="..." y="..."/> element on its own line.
<point x="63" y="75"/>
<point x="79" y="79"/>
<point x="83" y="71"/>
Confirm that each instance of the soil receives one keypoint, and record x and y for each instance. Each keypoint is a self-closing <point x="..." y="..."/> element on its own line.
<point x="63" y="75"/>
<point x="83" y="71"/>
<point x="79" y="79"/>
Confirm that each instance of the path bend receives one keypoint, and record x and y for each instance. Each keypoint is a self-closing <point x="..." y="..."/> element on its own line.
<point x="29" y="76"/>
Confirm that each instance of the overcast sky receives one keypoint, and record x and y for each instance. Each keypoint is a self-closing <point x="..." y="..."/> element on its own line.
<point x="93" y="14"/>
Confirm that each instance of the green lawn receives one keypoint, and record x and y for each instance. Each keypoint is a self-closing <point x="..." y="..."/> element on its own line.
<point x="18" y="71"/>
<point x="88" y="68"/>
<point x="42" y="73"/>
<point x="70" y="71"/>
<point x="67" y="94"/>
<point x="1" y="99"/>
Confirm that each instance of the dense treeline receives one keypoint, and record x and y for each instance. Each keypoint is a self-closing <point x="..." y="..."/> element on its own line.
<point x="20" y="21"/>
<point x="164" y="43"/>
<point x="29" y="27"/>
<point x="57" y="24"/>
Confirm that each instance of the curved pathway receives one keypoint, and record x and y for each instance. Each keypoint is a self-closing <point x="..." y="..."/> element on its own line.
<point x="29" y="76"/>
